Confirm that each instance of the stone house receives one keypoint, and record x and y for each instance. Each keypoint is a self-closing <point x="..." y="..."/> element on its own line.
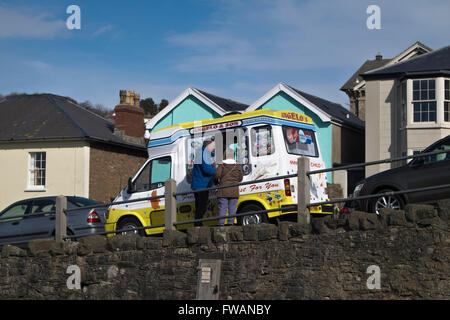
<point x="49" y="145"/>
<point x="407" y="107"/>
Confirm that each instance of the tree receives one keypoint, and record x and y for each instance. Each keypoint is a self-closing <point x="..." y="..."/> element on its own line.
<point x="164" y="103"/>
<point x="99" y="109"/>
<point x="149" y="106"/>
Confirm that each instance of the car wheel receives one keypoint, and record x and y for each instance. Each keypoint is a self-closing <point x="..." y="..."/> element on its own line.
<point x="254" y="218"/>
<point x="387" y="201"/>
<point x="132" y="224"/>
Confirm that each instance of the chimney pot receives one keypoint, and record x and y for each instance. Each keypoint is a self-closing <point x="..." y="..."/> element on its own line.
<point x="378" y="56"/>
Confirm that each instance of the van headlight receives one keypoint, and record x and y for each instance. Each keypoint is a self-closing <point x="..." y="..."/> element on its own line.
<point x="357" y="189"/>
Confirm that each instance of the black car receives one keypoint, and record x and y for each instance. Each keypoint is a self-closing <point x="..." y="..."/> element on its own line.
<point x="426" y="171"/>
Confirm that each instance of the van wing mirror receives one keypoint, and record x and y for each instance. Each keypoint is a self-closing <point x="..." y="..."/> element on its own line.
<point x="131" y="187"/>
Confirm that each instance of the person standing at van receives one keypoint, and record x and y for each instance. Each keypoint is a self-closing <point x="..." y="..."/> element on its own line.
<point x="202" y="177"/>
<point x="228" y="172"/>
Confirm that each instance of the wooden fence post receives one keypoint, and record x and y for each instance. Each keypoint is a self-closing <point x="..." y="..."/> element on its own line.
<point x="170" y="200"/>
<point x="303" y="191"/>
<point x="61" y="218"/>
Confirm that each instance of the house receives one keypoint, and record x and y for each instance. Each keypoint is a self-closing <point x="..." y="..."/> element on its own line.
<point x="49" y="145"/>
<point x="407" y="106"/>
<point x="193" y="104"/>
<point x="355" y="86"/>
<point x="340" y="132"/>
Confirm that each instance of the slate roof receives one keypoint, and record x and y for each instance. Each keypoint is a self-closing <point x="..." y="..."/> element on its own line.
<point x="51" y="117"/>
<point x="226" y="104"/>
<point x="336" y="111"/>
<point x="367" y="66"/>
<point x="433" y="63"/>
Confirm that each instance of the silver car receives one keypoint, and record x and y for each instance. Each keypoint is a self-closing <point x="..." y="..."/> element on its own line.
<point x="22" y="221"/>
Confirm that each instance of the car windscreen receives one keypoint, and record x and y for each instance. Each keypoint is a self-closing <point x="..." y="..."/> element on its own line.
<point x="83" y="202"/>
<point x="300" y="141"/>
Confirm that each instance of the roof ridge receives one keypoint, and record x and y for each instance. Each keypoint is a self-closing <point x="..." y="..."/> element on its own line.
<point x="214" y="95"/>
<point x="64" y="112"/>
<point x="95" y="114"/>
<point x="409" y="60"/>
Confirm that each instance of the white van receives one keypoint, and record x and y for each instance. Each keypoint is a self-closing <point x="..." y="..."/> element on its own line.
<point x="270" y="145"/>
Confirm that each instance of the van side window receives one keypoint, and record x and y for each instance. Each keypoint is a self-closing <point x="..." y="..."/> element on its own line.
<point x="262" y="141"/>
<point x="154" y="175"/>
<point x="142" y="182"/>
<point x="160" y="172"/>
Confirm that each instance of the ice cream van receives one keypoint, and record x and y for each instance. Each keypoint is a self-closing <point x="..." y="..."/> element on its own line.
<point x="268" y="144"/>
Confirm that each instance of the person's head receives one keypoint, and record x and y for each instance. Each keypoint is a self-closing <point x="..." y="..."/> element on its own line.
<point x="209" y="144"/>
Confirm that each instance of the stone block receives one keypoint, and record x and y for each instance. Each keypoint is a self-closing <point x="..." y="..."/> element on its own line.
<point x="199" y="235"/>
<point x="220" y="235"/>
<point x="174" y="238"/>
<point x="250" y="233"/>
<point x="393" y="217"/>
<point x="267" y="231"/>
<point x="96" y="243"/>
<point x="40" y="246"/>
<point x="443" y="207"/>
<point x="235" y="233"/>
<point x="13" y="251"/>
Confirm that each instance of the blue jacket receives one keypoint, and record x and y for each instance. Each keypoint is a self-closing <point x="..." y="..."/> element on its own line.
<point x="203" y="174"/>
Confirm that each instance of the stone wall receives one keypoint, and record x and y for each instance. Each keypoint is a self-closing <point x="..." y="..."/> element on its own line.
<point x="325" y="260"/>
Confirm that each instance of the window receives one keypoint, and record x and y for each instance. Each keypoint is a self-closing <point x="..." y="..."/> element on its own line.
<point x="424" y="103"/>
<point x="443" y="146"/>
<point x="15" y="212"/>
<point x="43" y="205"/>
<point x="37" y="170"/>
<point x="447" y="100"/>
<point x="300" y="141"/>
<point x="262" y="141"/>
<point x="154" y="175"/>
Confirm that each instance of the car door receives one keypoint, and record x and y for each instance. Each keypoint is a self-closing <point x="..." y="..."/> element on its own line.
<point x="430" y="171"/>
<point x="11" y="222"/>
<point x="38" y="226"/>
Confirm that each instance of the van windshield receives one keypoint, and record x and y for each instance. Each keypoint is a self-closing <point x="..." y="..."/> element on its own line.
<point x="300" y="141"/>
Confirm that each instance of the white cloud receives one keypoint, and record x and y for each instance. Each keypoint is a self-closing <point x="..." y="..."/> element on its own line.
<point x="27" y="23"/>
<point x="103" y="29"/>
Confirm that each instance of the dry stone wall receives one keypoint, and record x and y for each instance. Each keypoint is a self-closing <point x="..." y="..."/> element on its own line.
<point x="327" y="260"/>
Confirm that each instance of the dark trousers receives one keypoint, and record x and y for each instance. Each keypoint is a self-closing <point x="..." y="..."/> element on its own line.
<point x="201" y="204"/>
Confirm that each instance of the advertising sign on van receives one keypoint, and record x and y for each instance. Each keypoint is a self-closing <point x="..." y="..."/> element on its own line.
<point x="216" y="126"/>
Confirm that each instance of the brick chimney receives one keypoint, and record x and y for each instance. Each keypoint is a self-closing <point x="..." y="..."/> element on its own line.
<point x="129" y="117"/>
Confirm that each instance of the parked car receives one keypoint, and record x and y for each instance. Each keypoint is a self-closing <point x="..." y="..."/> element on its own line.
<point x="18" y="225"/>
<point x="421" y="172"/>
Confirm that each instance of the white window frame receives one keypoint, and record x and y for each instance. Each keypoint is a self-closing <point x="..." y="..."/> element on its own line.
<point x="33" y="185"/>
<point x="447" y="99"/>
<point x="420" y="100"/>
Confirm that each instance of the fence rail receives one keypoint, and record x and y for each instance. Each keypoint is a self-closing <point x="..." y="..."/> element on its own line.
<point x="302" y="207"/>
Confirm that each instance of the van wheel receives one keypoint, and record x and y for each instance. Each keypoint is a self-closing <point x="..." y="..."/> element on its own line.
<point x="132" y="224"/>
<point x="390" y="201"/>
<point x="254" y="218"/>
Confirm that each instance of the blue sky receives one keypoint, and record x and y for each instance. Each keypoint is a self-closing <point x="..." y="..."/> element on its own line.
<point x="234" y="49"/>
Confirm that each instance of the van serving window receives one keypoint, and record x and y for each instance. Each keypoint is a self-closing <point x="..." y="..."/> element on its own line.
<point x="300" y="141"/>
<point x="262" y="141"/>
